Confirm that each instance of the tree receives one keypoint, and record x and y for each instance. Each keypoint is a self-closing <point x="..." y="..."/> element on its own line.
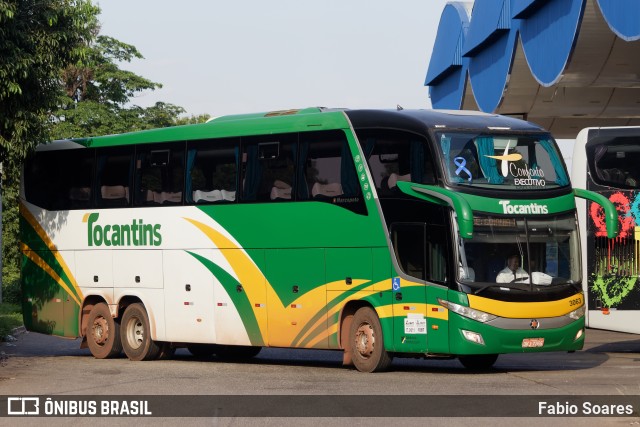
<point x="70" y="85"/>
<point x="37" y="39"/>
<point x="97" y="95"/>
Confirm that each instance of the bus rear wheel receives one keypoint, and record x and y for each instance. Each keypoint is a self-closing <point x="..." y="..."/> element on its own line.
<point x="367" y="346"/>
<point x="136" y="337"/>
<point x="103" y="333"/>
<point x="478" y="362"/>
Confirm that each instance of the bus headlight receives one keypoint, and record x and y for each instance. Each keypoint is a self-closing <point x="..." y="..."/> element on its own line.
<point x="473" y="336"/>
<point x="477" y="315"/>
<point x="577" y="313"/>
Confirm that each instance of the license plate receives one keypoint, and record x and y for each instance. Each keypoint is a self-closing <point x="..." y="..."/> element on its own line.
<point x="532" y="342"/>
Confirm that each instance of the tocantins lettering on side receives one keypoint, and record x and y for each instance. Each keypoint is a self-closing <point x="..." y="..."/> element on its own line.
<point x="137" y="233"/>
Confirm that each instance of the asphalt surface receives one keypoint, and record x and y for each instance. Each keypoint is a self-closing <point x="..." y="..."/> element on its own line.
<point x="36" y="364"/>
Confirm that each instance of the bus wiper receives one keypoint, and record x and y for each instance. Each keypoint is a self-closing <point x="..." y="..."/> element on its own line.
<point x="574" y="285"/>
<point x="492" y="285"/>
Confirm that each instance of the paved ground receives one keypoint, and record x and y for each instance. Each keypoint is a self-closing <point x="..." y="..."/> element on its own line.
<point x="42" y="365"/>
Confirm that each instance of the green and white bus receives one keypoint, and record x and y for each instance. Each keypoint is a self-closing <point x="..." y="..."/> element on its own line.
<point x="376" y="233"/>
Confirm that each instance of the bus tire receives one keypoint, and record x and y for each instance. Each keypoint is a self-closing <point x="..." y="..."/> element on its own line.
<point x="166" y="351"/>
<point x="103" y="333"/>
<point x="236" y="352"/>
<point x="366" y="341"/>
<point x="478" y="362"/>
<point x="201" y="350"/>
<point x="136" y="334"/>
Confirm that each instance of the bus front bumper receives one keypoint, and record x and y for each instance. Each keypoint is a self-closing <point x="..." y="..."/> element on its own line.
<point x="470" y="337"/>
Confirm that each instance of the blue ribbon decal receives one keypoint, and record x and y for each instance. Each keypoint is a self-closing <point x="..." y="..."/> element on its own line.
<point x="461" y="162"/>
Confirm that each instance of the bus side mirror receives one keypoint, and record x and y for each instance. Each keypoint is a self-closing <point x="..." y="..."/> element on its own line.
<point x="610" y="212"/>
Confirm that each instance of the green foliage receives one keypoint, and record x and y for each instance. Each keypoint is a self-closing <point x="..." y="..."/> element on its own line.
<point x="10" y="318"/>
<point x="97" y="93"/>
<point x="60" y="79"/>
<point x="97" y="77"/>
<point x="38" y="39"/>
<point x="192" y="120"/>
<point x="10" y="244"/>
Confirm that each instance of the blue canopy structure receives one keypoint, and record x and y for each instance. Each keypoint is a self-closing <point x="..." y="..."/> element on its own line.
<point x="563" y="64"/>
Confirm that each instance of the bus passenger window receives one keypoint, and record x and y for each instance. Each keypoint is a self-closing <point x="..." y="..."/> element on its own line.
<point x="268" y="167"/>
<point x="395" y="156"/>
<point x="322" y="176"/>
<point x="159" y="175"/>
<point x="327" y="171"/>
<point x="212" y="171"/>
<point x="60" y="180"/>
<point x="114" y="177"/>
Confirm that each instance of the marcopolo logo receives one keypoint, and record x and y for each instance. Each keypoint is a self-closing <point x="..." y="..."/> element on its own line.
<point x="135" y="234"/>
<point x="531" y="208"/>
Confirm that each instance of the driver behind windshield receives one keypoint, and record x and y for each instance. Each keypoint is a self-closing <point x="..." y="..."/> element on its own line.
<point x="512" y="272"/>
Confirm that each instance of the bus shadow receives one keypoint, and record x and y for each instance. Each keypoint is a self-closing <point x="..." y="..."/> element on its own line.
<point x="618" y="347"/>
<point x="333" y="360"/>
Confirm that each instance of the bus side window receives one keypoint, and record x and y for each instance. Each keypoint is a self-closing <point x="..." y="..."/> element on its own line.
<point x="212" y="171"/>
<point x="321" y="160"/>
<point x="268" y="168"/>
<point x="420" y="249"/>
<point x="436" y="251"/>
<point x="395" y="156"/>
<point x="77" y="167"/>
<point x="408" y="241"/>
<point x="60" y="180"/>
<point x="159" y="174"/>
<point x="327" y="171"/>
<point x="113" y="173"/>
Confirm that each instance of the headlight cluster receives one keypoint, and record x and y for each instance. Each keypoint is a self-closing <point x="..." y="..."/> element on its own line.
<point x="477" y="315"/>
<point x="577" y="313"/>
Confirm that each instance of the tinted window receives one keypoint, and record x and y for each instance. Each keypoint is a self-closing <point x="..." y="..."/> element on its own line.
<point x="396" y="156"/>
<point x="59" y="180"/>
<point x="159" y="174"/>
<point x="212" y="171"/>
<point x="420" y="250"/>
<point x="268" y="167"/>
<point x="328" y="172"/>
<point x="113" y="172"/>
<point x="615" y="163"/>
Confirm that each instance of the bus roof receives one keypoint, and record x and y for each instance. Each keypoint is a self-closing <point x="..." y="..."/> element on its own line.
<point x="315" y="118"/>
<point x="438" y="119"/>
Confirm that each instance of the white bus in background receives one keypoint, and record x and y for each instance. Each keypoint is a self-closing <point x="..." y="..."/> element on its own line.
<point x="607" y="161"/>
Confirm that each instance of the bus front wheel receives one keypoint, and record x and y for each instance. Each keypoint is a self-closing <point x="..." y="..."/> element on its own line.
<point x="103" y="333"/>
<point x="367" y="346"/>
<point x="136" y="337"/>
<point x="479" y="362"/>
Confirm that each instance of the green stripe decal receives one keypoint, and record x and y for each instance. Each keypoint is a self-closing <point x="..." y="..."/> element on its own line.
<point x="239" y="299"/>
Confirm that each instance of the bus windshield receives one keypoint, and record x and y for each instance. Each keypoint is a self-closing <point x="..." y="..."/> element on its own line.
<point x="525" y="254"/>
<point x="502" y="161"/>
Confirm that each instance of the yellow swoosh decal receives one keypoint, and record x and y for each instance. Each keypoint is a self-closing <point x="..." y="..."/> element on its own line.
<point x="33" y="256"/>
<point x="28" y="216"/>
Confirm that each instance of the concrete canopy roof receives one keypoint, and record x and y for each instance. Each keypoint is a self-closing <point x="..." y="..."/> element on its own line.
<point x="563" y="64"/>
